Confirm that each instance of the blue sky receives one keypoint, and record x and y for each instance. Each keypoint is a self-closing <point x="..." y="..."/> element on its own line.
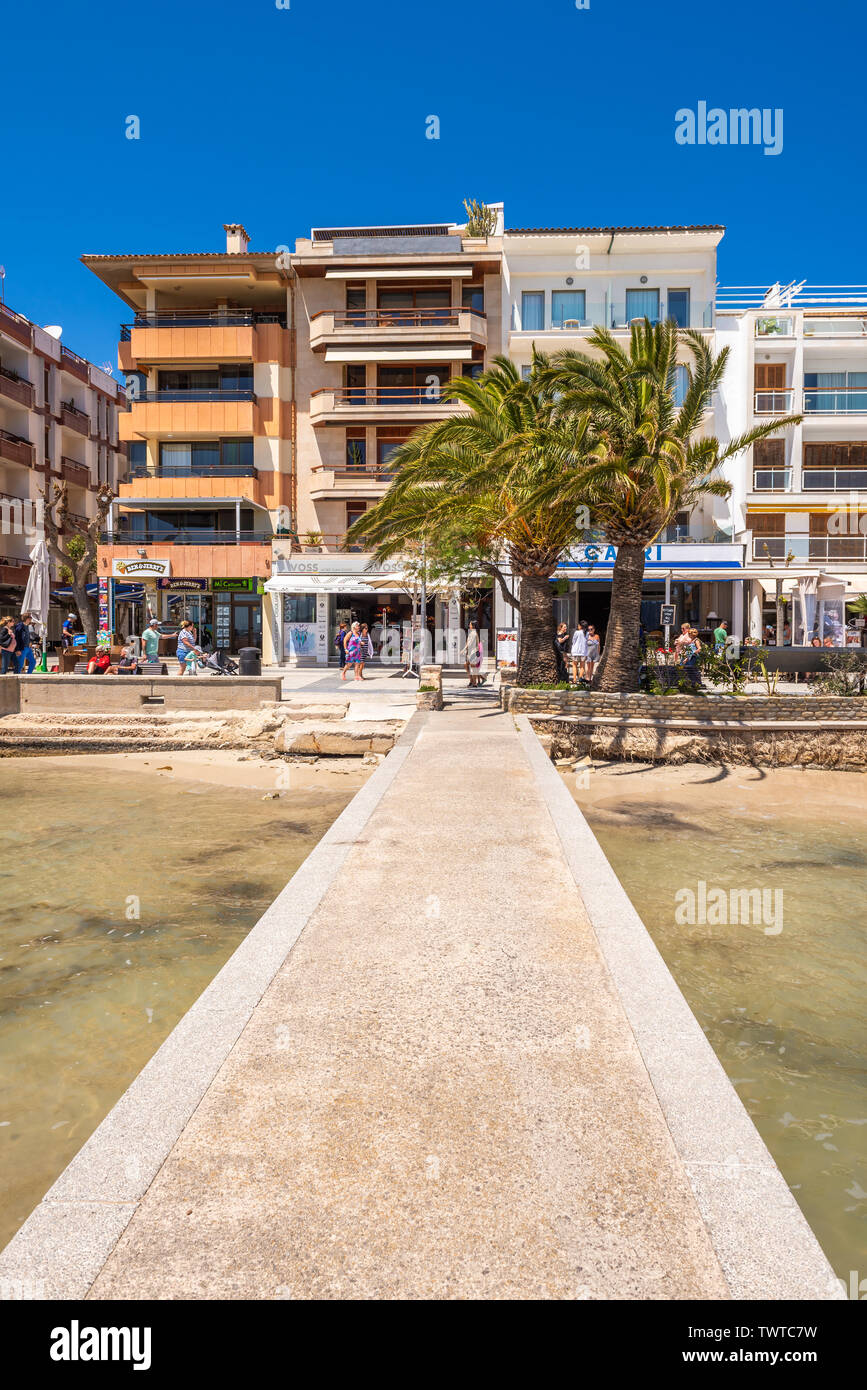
<point x="283" y="119"/>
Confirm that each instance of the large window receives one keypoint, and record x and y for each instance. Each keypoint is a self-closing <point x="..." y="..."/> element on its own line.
<point x="237" y="376"/>
<point x="641" y="304"/>
<point x="473" y="297"/>
<point x="356" y="449"/>
<point x="201" y="457"/>
<point x="388" y="439"/>
<point x="412" y="385"/>
<point x="681" y="383"/>
<point x="678" y="307"/>
<point x="299" y="608"/>
<point x="532" y="311"/>
<point x="567" y="308"/>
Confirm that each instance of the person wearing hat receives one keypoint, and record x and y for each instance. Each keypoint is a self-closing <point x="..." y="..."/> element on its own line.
<point x="70" y="624"/>
<point x="151" y="640"/>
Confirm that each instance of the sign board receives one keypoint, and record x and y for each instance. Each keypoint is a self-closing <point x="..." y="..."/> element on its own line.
<point x="322" y="629"/>
<point x="141" y="569"/>
<point x="188" y="585"/>
<point x="245" y="585"/>
<point x="666" y="614"/>
<point x="507" y="646"/>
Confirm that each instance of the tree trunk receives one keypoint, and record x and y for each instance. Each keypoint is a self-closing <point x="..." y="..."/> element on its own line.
<point x="537" y="657"/>
<point x="85" y="611"/>
<point x="618" y="669"/>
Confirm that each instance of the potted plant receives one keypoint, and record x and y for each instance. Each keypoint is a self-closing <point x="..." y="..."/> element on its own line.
<point x="313" y="540"/>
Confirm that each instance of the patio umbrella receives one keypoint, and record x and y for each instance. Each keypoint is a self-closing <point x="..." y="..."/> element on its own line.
<point x="37" y="593"/>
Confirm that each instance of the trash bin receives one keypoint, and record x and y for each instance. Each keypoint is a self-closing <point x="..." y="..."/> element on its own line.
<point x="249" y="661"/>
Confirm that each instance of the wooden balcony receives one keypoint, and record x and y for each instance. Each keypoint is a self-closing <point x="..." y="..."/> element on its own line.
<point x="74" y="418"/>
<point x="13" y="570"/>
<point x="450" y="326"/>
<point x="361" y="405"/>
<point x="206" y="335"/>
<point x="212" y="419"/>
<point x="73" y="472"/>
<point x="16" y="326"/>
<point x="15" y="388"/>
<point x="15" y="450"/>
<point x="246" y="561"/>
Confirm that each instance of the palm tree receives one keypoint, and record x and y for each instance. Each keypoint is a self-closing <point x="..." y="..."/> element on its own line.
<point x="470" y="482"/>
<point x="647" y="462"/>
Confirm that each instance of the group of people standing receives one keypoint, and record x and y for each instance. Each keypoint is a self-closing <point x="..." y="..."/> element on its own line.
<point x="19" y="641"/>
<point x="581" y="651"/>
<point x="354" y="648"/>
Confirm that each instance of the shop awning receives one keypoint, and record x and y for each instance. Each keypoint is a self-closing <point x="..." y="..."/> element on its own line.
<point x="333" y="584"/>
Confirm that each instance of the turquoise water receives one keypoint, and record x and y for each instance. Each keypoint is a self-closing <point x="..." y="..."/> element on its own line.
<point x="784" y="1012"/>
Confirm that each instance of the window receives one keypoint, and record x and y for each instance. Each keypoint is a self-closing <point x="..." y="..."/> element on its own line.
<point x="356" y="302"/>
<point x="299" y="608"/>
<point x="681" y="383"/>
<point x="388" y="439"/>
<point x="532" y="311"/>
<point x="567" y="307"/>
<point x="678" y="307"/>
<point x="473" y="297"/>
<point x="234" y="377"/>
<point x="356" y="449"/>
<point x="138" y="457"/>
<point x="355" y="381"/>
<point x="642" y="304"/>
<point x="525" y="371"/>
<point x="414" y="296"/>
<point x="204" y="457"/>
<point x="473" y="370"/>
<point x="412" y="385"/>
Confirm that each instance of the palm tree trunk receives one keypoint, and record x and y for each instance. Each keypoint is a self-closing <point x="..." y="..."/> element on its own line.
<point x="537" y="658"/>
<point x="618" y="669"/>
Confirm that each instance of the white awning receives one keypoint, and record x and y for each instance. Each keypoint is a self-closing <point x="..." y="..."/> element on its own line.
<point x="333" y="584"/>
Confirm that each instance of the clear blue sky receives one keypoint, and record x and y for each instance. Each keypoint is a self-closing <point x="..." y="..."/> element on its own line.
<point x="283" y="119"/>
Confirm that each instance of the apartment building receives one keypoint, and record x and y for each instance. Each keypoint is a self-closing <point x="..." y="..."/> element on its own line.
<point x="59" y="417"/>
<point x="384" y="316"/>
<point x="799" y="497"/>
<point x="206" y="347"/>
<point x="560" y="283"/>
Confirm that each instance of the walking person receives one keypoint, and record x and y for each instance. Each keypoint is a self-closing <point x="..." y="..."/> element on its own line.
<point x="68" y="631"/>
<point x="353" y="651"/>
<point x="579" y="651"/>
<point x="23" y="640"/>
<point x="562" y="642"/>
<point x="594" y="648"/>
<point x="365" y="650"/>
<point x="472" y="653"/>
<point x="340" y="644"/>
<point x="151" y="640"/>
<point x="188" y="652"/>
<point x="8" y="645"/>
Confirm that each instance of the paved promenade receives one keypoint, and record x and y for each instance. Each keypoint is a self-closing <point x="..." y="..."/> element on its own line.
<point x="443" y="1090"/>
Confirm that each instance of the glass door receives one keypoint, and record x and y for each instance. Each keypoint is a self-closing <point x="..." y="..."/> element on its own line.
<point x="246" y="623"/>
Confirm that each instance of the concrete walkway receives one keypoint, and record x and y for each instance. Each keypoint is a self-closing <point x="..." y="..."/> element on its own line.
<point x="439" y="1094"/>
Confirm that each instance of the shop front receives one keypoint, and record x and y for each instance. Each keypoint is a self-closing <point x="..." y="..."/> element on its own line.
<point x="703" y="582"/>
<point x="309" y="595"/>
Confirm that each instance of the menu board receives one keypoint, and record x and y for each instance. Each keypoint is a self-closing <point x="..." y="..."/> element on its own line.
<point x="222" y="624"/>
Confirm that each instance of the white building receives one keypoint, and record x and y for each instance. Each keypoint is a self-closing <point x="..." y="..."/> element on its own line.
<point x="799" y="498"/>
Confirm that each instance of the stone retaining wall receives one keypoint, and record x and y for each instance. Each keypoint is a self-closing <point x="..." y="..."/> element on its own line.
<point x="592" y="704"/>
<point x="843" y="749"/>
<point x="90" y="694"/>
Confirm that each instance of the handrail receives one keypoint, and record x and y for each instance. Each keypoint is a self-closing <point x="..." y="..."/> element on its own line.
<point x="384" y="395"/>
<point x="431" y="317"/>
<point x="219" y="470"/>
<point x="814" y="479"/>
<point x="186" y="536"/>
<point x="773" y="400"/>
<point x="192" y="397"/>
<point x="203" y="318"/>
<point x="74" y="410"/>
<point x="67" y="352"/>
<point x="11" y="375"/>
<point x="840" y="394"/>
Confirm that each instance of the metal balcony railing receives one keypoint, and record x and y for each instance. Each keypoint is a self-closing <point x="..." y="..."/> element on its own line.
<point x="187" y="536"/>
<point x="772" y="479"/>
<point x="447" y="316"/>
<point x="202" y="470"/>
<point x="833" y="479"/>
<point x="202" y="318"/>
<point x="194" y="397"/>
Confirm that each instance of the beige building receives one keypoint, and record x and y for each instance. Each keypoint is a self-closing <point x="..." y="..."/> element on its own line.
<point x="384" y="317"/>
<point x="59" y="420"/>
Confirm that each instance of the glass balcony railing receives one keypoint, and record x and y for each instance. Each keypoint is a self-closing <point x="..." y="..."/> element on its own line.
<point x="772" y="480"/>
<point x="776" y="402"/>
<point x="822" y="400"/>
<point x="202" y="318"/>
<point x="187" y="536"/>
<point x="775" y="326"/>
<point x="833" y="479"/>
<point x="819" y="549"/>
<point x="835" y="326"/>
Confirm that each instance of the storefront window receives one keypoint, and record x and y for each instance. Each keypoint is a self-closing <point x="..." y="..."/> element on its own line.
<point x="299" y="608"/>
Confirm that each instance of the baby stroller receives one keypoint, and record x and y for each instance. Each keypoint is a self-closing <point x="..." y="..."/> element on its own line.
<point x="219" y="664"/>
